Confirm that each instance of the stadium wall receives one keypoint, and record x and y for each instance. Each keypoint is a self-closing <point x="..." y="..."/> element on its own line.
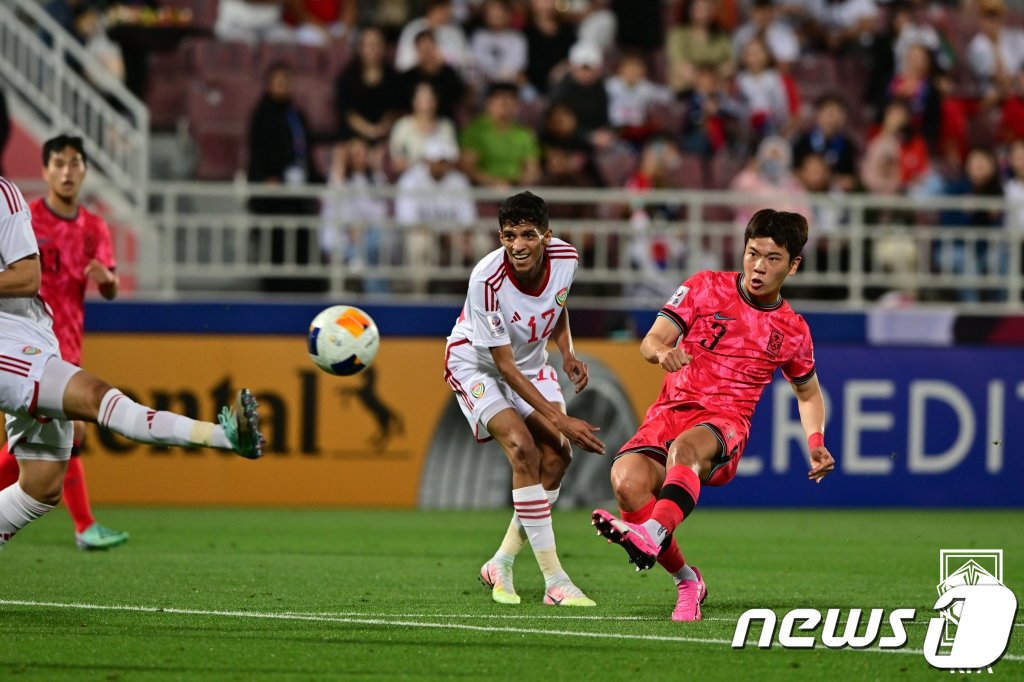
<point x="910" y="426"/>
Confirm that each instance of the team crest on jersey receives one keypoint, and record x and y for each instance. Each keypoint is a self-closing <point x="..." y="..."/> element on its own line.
<point x="561" y="296"/>
<point x="31" y="350"/>
<point x="496" y="325"/>
<point x="678" y="297"/>
<point x="478" y="390"/>
<point x="774" y="343"/>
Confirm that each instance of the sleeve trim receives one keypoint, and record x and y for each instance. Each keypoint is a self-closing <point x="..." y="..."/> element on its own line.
<point x="675" y="319"/>
<point x="803" y="378"/>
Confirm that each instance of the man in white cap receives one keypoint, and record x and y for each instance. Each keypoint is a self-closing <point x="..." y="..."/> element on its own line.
<point x="433" y="192"/>
<point x="583" y="91"/>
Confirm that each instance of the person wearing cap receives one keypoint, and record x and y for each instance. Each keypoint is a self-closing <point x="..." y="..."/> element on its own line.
<point x="498" y="151"/>
<point x="996" y="53"/>
<point x="431" y="195"/>
<point x="583" y="91"/>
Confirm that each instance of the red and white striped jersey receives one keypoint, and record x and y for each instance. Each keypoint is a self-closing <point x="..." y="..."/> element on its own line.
<point x="500" y="310"/>
<point x="21" y="319"/>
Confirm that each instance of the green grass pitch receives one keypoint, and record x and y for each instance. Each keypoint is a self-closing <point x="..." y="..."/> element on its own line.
<point x="239" y="594"/>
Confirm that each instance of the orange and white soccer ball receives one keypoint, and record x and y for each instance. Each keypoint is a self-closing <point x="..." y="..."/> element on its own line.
<point x="343" y="340"/>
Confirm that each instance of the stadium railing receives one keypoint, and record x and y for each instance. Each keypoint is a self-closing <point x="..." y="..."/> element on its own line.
<point x="61" y="87"/>
<point x="635" y="247"/>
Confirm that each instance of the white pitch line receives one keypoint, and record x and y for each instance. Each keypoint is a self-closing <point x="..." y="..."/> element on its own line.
<point x="319" y="618"/>
<point x="546" y="616"/>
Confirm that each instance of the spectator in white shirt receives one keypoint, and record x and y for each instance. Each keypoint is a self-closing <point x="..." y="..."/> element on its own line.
<point x="432" y="194"/>
<point x="451" y="40"/>
<point x="996" y="53"/>
<point x="777" y="35"/>
<point x="498" y="50"/>
<point x="630" y="96"/>
<point x="411" y="132"/>
<point x="763" y="91"/>
<point x="252" y="21"/>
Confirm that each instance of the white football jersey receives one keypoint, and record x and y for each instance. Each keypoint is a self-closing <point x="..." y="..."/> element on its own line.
<point x="22" y="320"/>
<point x="499" y="311"/>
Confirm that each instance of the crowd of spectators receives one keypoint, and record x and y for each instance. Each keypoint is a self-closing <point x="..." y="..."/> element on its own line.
<point x="763" y="96"/>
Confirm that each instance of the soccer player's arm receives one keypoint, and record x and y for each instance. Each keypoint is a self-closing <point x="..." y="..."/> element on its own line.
<point x="811" y="404"/>
<point x="661" y="344"/>
<point x="101" y="269"/>
<point x="491" y="331"/>
<point x="21" y="274"/>
<point x="574" y="368"/>
<point x="578" y="431"/>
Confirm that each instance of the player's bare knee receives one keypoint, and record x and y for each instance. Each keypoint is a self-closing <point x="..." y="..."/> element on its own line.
<point x="631" y="485"/>
<point x="522" y="455"/>
<point x="684" y="453"/>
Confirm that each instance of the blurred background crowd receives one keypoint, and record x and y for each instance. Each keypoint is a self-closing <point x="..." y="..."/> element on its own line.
<point x="768" y="98"/>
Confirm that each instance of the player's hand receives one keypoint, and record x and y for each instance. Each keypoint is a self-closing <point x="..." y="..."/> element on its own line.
<point x="822" y="464"/>
<point x="581" y="433"/>
<point x="99" y="273"/>
<point x="673" y="359"/>
<point x="576" y="370"/>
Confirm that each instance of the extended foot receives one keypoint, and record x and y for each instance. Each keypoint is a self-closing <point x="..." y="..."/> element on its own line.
<point x="242" y="425"/>
<point x="566" y="594"/>
<point x="692" y="594"/>
<point x="100" y="537"/>
<point x="498" y="577"/>
<point x="638" y="543"/>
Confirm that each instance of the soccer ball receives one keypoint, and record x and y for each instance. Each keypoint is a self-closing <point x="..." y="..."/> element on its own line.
<point x="343" y="340"/>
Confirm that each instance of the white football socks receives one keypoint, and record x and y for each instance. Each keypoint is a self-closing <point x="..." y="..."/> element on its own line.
<point x="17" y="510"/>
<point x="534" y="512"/>
<point x="515" y="536"/>
<point x="684" y="573"/>
<point x="122" y="415"/>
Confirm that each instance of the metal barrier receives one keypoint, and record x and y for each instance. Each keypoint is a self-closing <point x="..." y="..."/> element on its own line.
<point x="45" y="68"/>
<point x="635" y="248"/>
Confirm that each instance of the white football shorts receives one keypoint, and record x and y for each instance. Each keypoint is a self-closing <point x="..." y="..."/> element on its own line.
<point x="30" y="435"/>
<point x="482" y="395"/>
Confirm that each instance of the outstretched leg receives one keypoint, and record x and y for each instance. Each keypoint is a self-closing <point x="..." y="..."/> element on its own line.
<point x="67" y="392"/>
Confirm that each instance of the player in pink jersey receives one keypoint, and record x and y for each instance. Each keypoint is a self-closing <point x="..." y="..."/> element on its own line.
<point x="496" y="362"/>
<point x="74" y="250"/>
<point x="720" y="339"/>
<point x="41" y="394"/>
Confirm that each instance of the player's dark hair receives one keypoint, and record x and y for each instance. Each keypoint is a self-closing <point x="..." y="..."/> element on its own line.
<point x="55" y="145"/>
<point x="525" y="208"/>
<point x="782" y="227"/>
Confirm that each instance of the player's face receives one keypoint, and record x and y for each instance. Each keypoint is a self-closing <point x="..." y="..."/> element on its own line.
<point x="525" y="245"/>
<point x="766" y="266"/>
<point x="64" y="173"/>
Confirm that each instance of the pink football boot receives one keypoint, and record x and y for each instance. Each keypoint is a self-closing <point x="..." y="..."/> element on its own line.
<point x="638" y="543"/>
<point x="692" y="594"/>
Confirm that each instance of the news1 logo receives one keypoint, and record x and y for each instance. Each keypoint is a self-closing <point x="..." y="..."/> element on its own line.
<point x="971" y="632"/>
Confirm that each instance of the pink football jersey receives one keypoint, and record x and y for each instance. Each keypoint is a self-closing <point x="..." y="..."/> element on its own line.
<point x="66" y="246"/>
<point x="736" y="344"/>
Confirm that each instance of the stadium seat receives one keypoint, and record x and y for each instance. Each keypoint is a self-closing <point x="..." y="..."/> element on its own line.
<point x="208" y="57"/>
<point x="303" y="59"/>
<point x="218" y="113"/>
<point x="693" y="173"/>
<point x="725" y="167"/>
<point x="315" y="96"/>
<point x="219" y="154"/>
<point x="667" y="118"/>
<point x="615" y="165"/>
<point x="204" y="12"/>
<point x="166" y="90"/>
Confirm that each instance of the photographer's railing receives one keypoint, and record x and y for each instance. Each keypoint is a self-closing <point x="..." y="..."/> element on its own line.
<point x="860" y="248"/>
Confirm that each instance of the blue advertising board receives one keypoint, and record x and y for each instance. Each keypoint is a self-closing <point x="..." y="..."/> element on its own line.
<point x="908" y="427"/>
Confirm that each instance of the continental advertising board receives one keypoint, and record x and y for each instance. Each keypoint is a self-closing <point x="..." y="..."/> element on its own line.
<point x="909" y="427"/>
